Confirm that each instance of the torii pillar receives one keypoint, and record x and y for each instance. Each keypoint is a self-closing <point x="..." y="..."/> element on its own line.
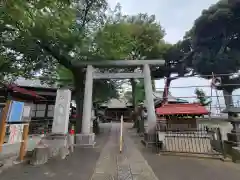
<point x="87" y="138"/>
<point x="87" y="103"/>
<point x="151" y="116"/>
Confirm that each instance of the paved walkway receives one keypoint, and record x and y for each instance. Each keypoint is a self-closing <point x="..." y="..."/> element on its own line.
<point x="104" y="162"/>
<point x="78" y="166"/>
<point x="13" y="149"/>
<point x="183" y="168"/>
<point x="129" y="165"/>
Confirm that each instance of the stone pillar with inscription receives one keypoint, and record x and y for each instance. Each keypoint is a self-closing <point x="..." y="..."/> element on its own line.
<point x="61" y="112"/>
<point x="87" y="138"/>
<point x="56" y="143"/>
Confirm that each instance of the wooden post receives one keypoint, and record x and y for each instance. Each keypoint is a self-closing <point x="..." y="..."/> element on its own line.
<point x="3" y="123"/>
<point x="24" y="142"/>
<point x="121" y="136"/>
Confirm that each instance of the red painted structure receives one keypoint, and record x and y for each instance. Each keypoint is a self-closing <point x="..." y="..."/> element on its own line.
<point x="16" y="90"/>
<point x="179" y="116"/>
<point x="182" y="109"/>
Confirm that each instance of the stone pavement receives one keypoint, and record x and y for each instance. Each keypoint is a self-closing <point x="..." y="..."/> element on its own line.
<point x="129" y="165"/>
<point x="13" y="149"/>
<point x="104" y="162"/>
<point x="78" y="166"/>
<point x="168" y="167"/>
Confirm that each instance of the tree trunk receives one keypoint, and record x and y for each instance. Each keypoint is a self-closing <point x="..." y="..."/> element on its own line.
<point x="227" y="93"/>
<point x="79" y="97"/>
<point x="134" y="103"/>
<point x="79" y="103"/>
<point x="166" y="89"/>
<point x="153" y="85"/>
<point x="133" y="84"/>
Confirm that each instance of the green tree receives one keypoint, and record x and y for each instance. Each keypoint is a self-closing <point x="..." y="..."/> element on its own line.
<point x="40" y="35"/>
<point x="214" y="45"/>
<point x="130" y="37"/>
<point x="202" y="98"/>
<point x="103" y="90"/>
<point x="139" y="94"/>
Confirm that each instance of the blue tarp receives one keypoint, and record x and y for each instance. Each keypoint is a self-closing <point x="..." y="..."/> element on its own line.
<point x="16" y="111"/>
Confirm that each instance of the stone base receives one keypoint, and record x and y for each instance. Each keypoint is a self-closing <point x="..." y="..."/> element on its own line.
<point x="50" y="146"/>
<point x="234" y="137"/>
<point x="236" y="154"/>
<point x="149" y="139"/>
<point x="232" y="150"/>
<point x="85" y="140"/>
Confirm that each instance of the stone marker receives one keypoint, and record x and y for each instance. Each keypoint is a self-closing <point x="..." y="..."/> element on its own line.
<point x="56" y="144"/>
<point x="61" y="111"/>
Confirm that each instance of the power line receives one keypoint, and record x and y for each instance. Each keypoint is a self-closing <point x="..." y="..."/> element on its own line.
<point x="204" y="96"/>
<point x="199" y="86"/>
<point x="210" y="75"/>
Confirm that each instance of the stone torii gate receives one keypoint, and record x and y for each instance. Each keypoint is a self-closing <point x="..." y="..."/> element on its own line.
<point x="87" y="137"/>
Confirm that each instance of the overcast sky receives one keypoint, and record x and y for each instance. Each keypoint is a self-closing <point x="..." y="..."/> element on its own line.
<point x="176" y="17"/>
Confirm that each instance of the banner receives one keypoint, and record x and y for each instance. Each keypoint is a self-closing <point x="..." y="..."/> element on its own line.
<point x="16" y="131"/>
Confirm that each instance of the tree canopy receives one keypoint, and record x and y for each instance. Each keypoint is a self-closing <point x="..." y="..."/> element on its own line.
<point x="215" y="38"/>
<point x="47" y="37"/>
<point x="139" y="94"/>
<point x="214" y="49"/>
<point x="103" y="90"/>
<point x="131" y="37"/>
<point x="202" y="98"/>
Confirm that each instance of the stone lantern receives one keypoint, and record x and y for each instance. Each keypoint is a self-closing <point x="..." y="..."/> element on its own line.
<point x="233" y="142"/>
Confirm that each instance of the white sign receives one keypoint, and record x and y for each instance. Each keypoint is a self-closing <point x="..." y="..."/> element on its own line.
<point x="161" y="136"/>
<point x="61" y="111"/>
<point x="26" y="111"/>
<point x="16" y="131"/>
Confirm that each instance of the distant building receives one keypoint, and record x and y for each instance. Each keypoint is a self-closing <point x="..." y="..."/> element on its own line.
<point x="158" y="98"/>
<point x="42" y="110"/>
<point x="115" y="108"/>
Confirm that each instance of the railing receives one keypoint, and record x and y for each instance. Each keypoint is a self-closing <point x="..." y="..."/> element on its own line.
<point x="186" y="87"/>
<point x="193" y="141"/>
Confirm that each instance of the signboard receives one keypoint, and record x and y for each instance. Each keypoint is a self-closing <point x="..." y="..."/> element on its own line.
<point x="16" y="131"/>
<point x="16" y="111"/>
<point x="26" y="111"/>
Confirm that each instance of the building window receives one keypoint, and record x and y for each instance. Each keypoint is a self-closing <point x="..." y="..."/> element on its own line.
<point x="38" y="110"/>
<point x="50" y="112"/>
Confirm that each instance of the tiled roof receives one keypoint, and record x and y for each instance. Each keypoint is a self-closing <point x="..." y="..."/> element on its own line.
<point x="15" y="88"/>
<point x="32" y="83"/>
<point x="117" y="103"/>
<point x="182" y="109"/>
